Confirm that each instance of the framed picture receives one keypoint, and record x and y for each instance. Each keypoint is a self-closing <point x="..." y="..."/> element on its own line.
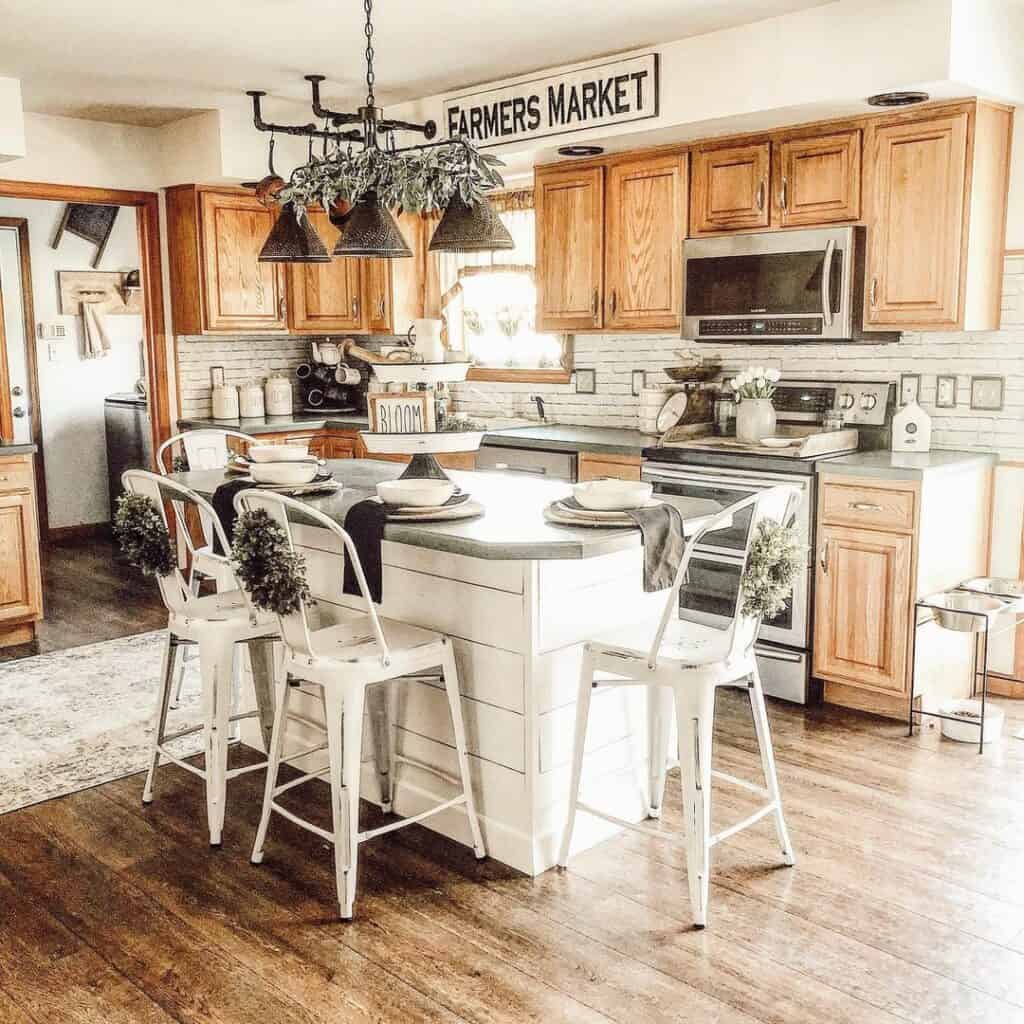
<point x="945" y="392"/>
<point x="411" y="412"/>
<point x="586" y="382"/>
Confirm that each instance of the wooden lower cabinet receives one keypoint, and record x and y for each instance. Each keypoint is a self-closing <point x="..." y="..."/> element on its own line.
<point x="595" y="466"/>
<point x="864" y="589"/>
<point x="21" y="589"/>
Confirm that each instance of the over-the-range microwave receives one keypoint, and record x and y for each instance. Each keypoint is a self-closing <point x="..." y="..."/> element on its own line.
<point x="789" y="286"/>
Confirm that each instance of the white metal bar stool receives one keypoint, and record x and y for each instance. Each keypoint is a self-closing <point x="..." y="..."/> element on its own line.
<point x="215" y="623"/>
<point x="345" y="660"/>
<point x="687" y="662"/>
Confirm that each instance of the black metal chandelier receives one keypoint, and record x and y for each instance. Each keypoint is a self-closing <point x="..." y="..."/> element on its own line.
<point x="379" y="175"/>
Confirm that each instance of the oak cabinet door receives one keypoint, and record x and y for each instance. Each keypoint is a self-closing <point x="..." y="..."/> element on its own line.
<point x="592" y="466"/>
<point x="20" y="585"/>
<point x="241" y="293"/>
<point x="817" y="181"/>
<point x="326" y="297"/>
<point x="645" y="223"/>
<point x="570" y="248"/>
<point x="916" y="187"/>
<point x="730" y="189"/>
<point x="863" y="607"/>
<point x="376" y="285"/>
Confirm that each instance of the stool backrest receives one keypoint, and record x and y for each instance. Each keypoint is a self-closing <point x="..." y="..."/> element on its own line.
<point x="778" y="503"/>
<point x="287" y="512"/>
<point x="173" y="588"/>
<point x="204" y="449"/>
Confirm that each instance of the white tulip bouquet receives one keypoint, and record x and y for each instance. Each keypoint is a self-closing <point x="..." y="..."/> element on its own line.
<point x="755" y="382"/>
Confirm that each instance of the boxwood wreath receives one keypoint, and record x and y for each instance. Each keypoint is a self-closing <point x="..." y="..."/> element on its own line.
<point x="140" y="531"/>
<point x="273" y="574"/>
<point x="776" y="556"/>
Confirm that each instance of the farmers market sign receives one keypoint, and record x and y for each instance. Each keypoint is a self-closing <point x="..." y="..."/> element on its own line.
<point x="609" y="93"/>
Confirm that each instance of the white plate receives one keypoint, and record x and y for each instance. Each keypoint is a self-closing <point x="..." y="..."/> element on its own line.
<point x="467" y="510"/>
<point x="672" y="411"/>
<point x="612" y="495"/>
<point x="553" y="515"/>
<point x="602" y="515"/>
<point x="779" y="442"/>
<point x="416" y="491"/>
<point x="420" y="373"/>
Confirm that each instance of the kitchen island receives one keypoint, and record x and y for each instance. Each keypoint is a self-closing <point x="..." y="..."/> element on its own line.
<point x="519" y="597"/>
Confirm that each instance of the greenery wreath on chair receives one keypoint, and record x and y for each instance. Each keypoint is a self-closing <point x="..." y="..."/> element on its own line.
<point x="776" y="556"/>
<point x="140" y="531"/>
<point x="273" y="575"/>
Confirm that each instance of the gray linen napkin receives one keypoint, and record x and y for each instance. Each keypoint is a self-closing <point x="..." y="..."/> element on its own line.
<point x="661" y="527"/>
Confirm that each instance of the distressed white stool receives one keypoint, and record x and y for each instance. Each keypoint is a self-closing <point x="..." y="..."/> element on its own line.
<point x="215" y="623"/>
<point x="345" y="660"/>
<point x="685" y="663"/>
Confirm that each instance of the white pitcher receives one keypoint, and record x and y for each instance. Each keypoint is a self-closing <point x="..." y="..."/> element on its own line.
<point x="426" y="338"/>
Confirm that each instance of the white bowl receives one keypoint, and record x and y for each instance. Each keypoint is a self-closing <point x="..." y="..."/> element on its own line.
<point x="415" y="492"/>
<point x="612" y="495"/>
<point x="278" y="452"/>
<point x="283" y="472"/>
<point x="967" y="730"/>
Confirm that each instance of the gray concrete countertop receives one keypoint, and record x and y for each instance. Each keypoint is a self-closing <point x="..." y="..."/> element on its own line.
<point x="512" y="527"/>
<point x="278" y="424"/>
<point x="566" y="438"/>
<point x="905" y="465"/>
<point x="17" y="449"/>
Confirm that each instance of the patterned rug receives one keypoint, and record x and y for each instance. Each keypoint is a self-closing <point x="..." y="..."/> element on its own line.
<point x="73" y="719"/>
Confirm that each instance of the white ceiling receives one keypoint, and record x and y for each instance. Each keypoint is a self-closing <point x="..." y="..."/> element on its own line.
<point x="148" y="62"/>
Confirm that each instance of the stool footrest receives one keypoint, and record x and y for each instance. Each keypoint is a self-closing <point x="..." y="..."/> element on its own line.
<point x="745" y="823"/>
<point x="233" y="773"/>
<point x="742" y="783"/>
<point x="302" y="823"/>
<point x="309" y="776"/>
<point x="631" y="825"/>
<point x="402" y="759"/>
<point x="371" y="833"/>
<point x="181" y="763"/>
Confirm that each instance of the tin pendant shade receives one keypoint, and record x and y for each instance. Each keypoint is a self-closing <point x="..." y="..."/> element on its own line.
<point x="293" y="239"/>
<point x="368" y="229"/>
<point x="476" y="228"/>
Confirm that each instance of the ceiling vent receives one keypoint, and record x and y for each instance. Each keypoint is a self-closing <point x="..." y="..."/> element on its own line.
<point x="897" y="99"/>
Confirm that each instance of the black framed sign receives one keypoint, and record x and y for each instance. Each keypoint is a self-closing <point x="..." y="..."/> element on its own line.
<point x="608" y="93"/>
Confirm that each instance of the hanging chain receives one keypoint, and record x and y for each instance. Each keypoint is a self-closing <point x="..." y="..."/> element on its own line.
<point x="368" y="7"/>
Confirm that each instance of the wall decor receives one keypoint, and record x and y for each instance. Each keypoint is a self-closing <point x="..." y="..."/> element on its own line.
<point x="610" y="92"/>
<point x="945" y="392"/>
<point x="987" y="393"/>
<point x="586" y="382"/>
<point x="90" y="221"/>
<point x="411" y="412"/>
<point x="102" y="288"/>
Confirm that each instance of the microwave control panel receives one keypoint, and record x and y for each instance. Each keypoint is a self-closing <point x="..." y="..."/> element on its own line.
<point x="793" y="327"/>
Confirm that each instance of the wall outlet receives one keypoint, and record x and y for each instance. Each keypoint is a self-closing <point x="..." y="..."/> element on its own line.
<point x="987" y="393"/>
<point x="945" y="392"/>
<point x="639" y="381"/>
<point x="910" y="388"/>
<point x="52" y="331"/>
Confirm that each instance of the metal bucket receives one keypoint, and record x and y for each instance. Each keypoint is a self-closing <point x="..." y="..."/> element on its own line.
<point x="964" y="611"/>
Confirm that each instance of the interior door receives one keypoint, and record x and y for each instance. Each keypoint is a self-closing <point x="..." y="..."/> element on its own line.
<point x="646" y="223"/>
<point x="325" y="297"/>
<point x="862" y="607"/>
<point x="730" y="189"/>
<point x="570" y="249"/>
<point x="15" y="394"/>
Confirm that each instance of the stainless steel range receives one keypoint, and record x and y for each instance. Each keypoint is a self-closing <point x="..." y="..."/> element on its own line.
<point x="725" y="470"/>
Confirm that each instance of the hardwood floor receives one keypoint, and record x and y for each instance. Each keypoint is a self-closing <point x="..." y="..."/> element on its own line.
<point x="88" y="597"/>
<point x="906" y="904"/>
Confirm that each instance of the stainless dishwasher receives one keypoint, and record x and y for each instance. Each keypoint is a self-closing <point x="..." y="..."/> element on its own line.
<point x="494" y="458"/>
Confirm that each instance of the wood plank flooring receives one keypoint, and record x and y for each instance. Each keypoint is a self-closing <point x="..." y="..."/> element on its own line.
<point x="906" y="904"/>
<point x="88" y="597"/>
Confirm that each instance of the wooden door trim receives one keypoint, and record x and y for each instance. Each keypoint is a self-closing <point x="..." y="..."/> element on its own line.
<point x="154" y="321"/>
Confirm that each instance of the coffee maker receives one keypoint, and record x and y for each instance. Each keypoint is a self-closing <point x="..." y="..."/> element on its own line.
<point x="328" y="384"/>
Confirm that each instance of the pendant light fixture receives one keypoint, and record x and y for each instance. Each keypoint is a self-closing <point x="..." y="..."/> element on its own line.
<point x="293" y="239"/>
<point x="393" y="177"/>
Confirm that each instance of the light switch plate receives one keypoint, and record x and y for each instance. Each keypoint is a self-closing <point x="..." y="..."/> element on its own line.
<point x="639" y="379"/>
<point x="945" y="392"/>
<point x="586" y="382"/>
<point x="987" y="393"/>
<point x="910" y="388"/>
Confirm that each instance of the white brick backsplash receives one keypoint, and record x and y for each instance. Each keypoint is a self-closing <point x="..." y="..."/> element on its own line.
<point x="615" y="356"/>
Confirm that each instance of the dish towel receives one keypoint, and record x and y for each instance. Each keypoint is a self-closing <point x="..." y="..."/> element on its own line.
<point x="364" y="523"/>
<point x="97" y="344"/>
<point x="223" y="502"/>
<point x="661" y="529"/>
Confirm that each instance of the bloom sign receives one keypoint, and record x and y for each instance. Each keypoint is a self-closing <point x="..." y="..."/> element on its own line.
<point x="609" y="93"/>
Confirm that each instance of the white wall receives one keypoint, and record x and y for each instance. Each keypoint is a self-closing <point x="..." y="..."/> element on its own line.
<point x="71" y="388"/>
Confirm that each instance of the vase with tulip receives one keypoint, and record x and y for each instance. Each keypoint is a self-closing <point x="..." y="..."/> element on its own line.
<point x="755" y="414"/>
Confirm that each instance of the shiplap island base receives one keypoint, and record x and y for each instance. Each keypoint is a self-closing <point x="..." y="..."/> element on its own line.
<point x="519" y="597"/>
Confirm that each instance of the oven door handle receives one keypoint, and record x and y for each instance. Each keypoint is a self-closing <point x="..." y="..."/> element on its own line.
<point x="720" y="483"/>
<point x="826" y="282"/>
<point x="773" y="655"/>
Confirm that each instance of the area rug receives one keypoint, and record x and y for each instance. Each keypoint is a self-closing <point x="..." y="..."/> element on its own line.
<point x="73" y="719"/>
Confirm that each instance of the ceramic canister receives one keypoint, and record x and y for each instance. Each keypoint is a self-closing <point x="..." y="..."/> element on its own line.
<point x="278" y="394"/>
<point x="225" y="402"/>
<point x="250" y="400"/>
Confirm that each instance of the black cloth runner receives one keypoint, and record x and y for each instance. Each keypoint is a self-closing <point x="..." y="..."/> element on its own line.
<point x="364" y="523"/>
<point x="223" y="502"/>
<point x="661" y="527"/>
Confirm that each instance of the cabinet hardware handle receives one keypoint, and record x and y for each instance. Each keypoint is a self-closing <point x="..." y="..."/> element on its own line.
<point x="865" y="506"/>
<point x="615" y="301"/>
<point x="760" y="195"/>
<point x="782" y="195"/>
<point x="874" y="292"/>
<point x="824" y="559"/>
<point x="282" y="308"/>
<point x="18" y="411"/>
<point x="355" y="309"/>
<point x="594" y="304"/>
<point x="380" y="309"/>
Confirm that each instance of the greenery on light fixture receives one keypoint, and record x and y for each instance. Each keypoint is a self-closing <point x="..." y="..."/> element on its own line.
<point x="776" y="556"/>
<point x="418" y="181"/>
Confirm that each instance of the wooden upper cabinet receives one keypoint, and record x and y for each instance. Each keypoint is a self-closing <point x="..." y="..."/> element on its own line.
<point x="569" y="207"/>
<point x="376" y="288"/>
<point x="916" y="221"/>
<point x="645" y="223"/>
<point x="218" y="285"/>
<point x="325" y="297"/>
<point x="730" y="189"/>
<point x="816" y="180"/>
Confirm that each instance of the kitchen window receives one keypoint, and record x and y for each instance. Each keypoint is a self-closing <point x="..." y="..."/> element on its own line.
<point x="489" y="303"/>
